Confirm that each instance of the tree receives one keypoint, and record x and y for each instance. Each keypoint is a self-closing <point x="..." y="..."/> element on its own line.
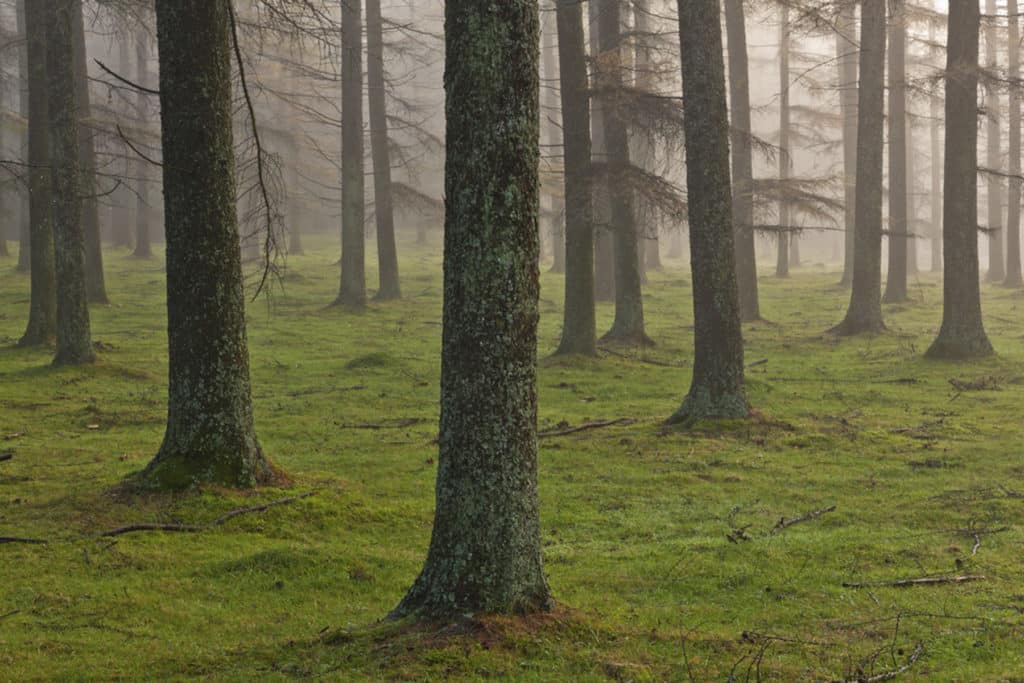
<point x="485" y="548"/>
<point x="742" y="161"/>
<point x="935" y="108"/>
<point x="551" y="133"/>
<point x="143" y="243"/>
<point x="25" y="221"/>
<point x="1013" y="268"/>
<point x="387" y="253"/>
<point x="604" y="256"/>
<point x="993" y="155"/>
<point x="210" y="436"/>
<point x="42" y="320"/>
<point x="846" y="59"/>
<point x="896" y="282"/>
<point x="962" y="334"/>
<point x="578" y="328"/>
<point x="865" y="311"/>
<point x="785" y="159"/>
<point x="352" y="291"/>
<point x="717" y="389"/>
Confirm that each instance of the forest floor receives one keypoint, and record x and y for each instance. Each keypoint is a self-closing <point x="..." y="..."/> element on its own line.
<point x="664" y="549"/>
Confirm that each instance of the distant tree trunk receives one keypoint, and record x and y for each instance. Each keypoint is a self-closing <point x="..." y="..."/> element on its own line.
<point x="551" y="134"/>
<point x="785" y="160"/>
<point x="896" y="282"/>
<point x="650" y="250"/>
<point x="352" y="291"/>
<point x="387" y="252"/>
<point x="865" y="311"/>
<point x="962" y="334"/>
<point x="210" y="435"/>
<point x="912" y="195"/>
<point x="717" y="386"/>
<point x="485" y="554"/>
<point x="143" y="242"/>
<point x="993" y="160"/>
<point x="42" y="320"/>
<point x="122" y="198"/>
<point x="24" y="221"/>
<point x="1013" y="266"/>
<point x="935" y="104"/>
<point x="846" y="54"/>
<point x="578" y="329"/>
<point x="742" y="162"/>
<point x="604" y="256"/>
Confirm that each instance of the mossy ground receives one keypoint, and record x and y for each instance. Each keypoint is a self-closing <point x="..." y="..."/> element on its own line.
<point x="635" y="519"/>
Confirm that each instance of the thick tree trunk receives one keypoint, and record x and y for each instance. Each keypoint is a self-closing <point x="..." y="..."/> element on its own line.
<point x="143" y="241"/>
<point x="742" y="162"/>
<point x="352" y="291"/>
<point x="846" y="57"/>
<point x="865" y="311"/>
<point x="578" y="329"/>
<point x="993" y="157"/>
<point x="210" y="435"/>
<point x="42" y="320"/>
<point x="1013" y="266"/>
<point x="604" y="256"/>
<point x="485" y="551"/>
<point x="935" y="105"/>
<point x="550" y="132"/>
<point x="896" y="281"/>
<point x="717" y="386"/>
<point x="387" y="252"/>
<point x="785" y="160"/>
<point x="962" y="334"/>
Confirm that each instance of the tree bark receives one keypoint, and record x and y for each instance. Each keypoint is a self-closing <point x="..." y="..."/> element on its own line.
<point x="717" y="389"/>
<point x="551" y="133"/>
<point x="352" y="291"/>
<point x="644" y="64"/>
<point x="993" y="157"/>
<point x="604" y="256"/>
<point x="865" y="311"/>
<point x="935" y="105"/>
<point x="1013" y="265"/>
<point x="24" y="213"/>
<point x="42" y="320"/>
<point x="210" y="436"/>
<point x="578" y="328"/>
<point x="896" y="281"/>
<point x="962" y="334"/>
<point x="485" y="553"/>
<point x="785" y="160"/>
<point x="913" y="234"/>
<point x="143" y="241"/>
<point x="742" y="162"/>
<point x="122" y="197"/>
<point x="846" y="54"/>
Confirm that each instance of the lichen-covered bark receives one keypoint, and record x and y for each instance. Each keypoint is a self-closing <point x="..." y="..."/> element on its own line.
<point x="485" y="549"/>
<point x="962" y="334"/>
<point x="210" y="436"/>
<point x="1013" y="265"/>
<point x="579" y="327"/>
<point x="42" y="320"/>
<point x="352" y="291"/>
<point x="387" y="252"/>
<point x="993" y="156"/>
<point x="742" y="161"/>
<point x="143" y="243"/>
<point x="25" y="222"/>
<point x="896" y="281"/>
<point x="865" y="311"/>
<point x="717" y="389"/>
<point x="846" y="60"/>
<point x="785" y="159"/>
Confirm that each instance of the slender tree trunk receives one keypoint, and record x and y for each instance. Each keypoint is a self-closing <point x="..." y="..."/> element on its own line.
<point x="578" y="329"/>
<point x="993" y="160"/>
<point x="846" y="54"/>
<point x="143" y="241"/>
<point x="650" y="250"/>
<point x="742" y="162"/>
<point x="604" y="256"/>
<point x="962" y="334"/>
<point x="717" y="386"/>
<point x="387" y="252"/>
<point x="912" y="195"/>
<point x="896" y="282"/>
<point x="550" y="132"/>
<point x="352" y="291"/>
<point x="24" y="220"/>
<point x="485" y="551"/>
<point x="210" y="435"/>
<point x="122" y="198"/>
<point x="935" y="104"/>
<point x="42" y="320"/>
<point x="1013" y="266"/>
<point x="785" y="160"/>
<point x="865" y="311"/>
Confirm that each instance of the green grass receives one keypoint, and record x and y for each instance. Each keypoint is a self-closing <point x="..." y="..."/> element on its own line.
<point x="635" y="519"/>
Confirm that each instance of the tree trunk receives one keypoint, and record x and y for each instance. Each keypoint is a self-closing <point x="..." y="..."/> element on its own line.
<point x="122" y="197"/>
<point x="42" y="319"/>
<point x="912" y="196"/>
<point x="896" y="282"/>
<point x="865" y="311"/>
<point x="387" y="252"/>
<point x="742" y="162"/>
<point x="604" y="256"/>
<point x="993" y="158"/>
<point x="644" y="74"/>
<point x="485" y="551"/>
<point x="578" y="329"/>
<point x="962" y="334"/>
<point x="935" y="104"/>
<point x="552" y="135"/>
<point x="785" y="160"/>
<point x="352" y="291"/>
<point x="24" y="220"/>
<point x="846" y="56"/>
<point x="717" y="386"/>
<point x="210" y="435"/>
<point x="1013" y="266"/>
<point x="143" y="241"/>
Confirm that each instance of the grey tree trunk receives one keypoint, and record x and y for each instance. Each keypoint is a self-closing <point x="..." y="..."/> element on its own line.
<point x="550" y="132"/>
<point x="644" y="75"/>
<point x="387" y="252"/>
<point x="604" y="256"/>
<point x="935" y="111"/>
<point x="993" y="157"/>
<point x="846" y="56"/>
<point x="896" y="282"/>
<point x="579" y="327"/>
<point x="865" y="311"/>
<point x="143" y="241"/>
<point x="785" y="160"/>
<point x="1013" y="265"/>
<point x="210" y="435"/>
<point x="352" y="291"/>
<point x="485" y="553"/>
<point x="122" y="198"/>
<point x="42" y="319"/>
<point x="962" y="334"/>
<point x="717" y="388"/>
<point x="912" y="197"/>
<point x="742" y="161"/>
<point x="24" y="220"/>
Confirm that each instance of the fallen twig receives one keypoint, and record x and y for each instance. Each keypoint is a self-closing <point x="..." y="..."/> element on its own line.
<point x="10" y="614"/>
<point x="763" y="361"/>
<point x="977" y="544"/>
<point x="888" y="675"/>
<point x="19" y="539"/>
<point x="649" y="361"/>
<point x="784" y="523"/>
<point x="6" y="456"/>
<point x="923" y="581"/>
<point x="398" y="424"/>
<point x="584" y="427"/>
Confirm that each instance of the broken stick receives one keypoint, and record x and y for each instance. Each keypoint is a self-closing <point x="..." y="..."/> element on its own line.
<point x="584" y="427"/>
<point x="924" y="581"/>
<point x="6" y="456"/>
<point x="784" y="523"/>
